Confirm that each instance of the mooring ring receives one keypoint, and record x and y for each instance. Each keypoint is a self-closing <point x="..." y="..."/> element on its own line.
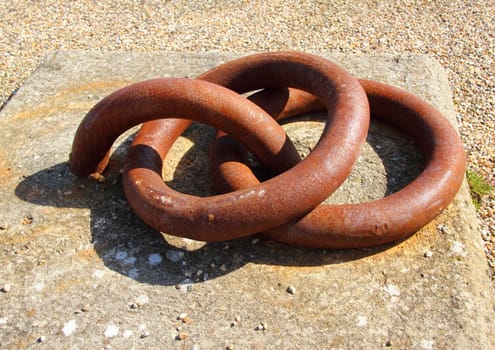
<point x="247" y="211"/>
<point x="377" y="222"/>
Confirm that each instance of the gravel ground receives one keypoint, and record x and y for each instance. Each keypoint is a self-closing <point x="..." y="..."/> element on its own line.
<point x="458" y="33"/>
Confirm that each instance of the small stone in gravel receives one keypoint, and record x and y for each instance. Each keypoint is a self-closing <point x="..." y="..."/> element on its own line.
<point x="255" y="241"/>
<point x="6" y="288"/>
<point x="485" y="234"/>
<point x="182" y="316"/>
<point x="223" y="268"/>
<point x="291" y="290"/>
<point x="428" y="254"/>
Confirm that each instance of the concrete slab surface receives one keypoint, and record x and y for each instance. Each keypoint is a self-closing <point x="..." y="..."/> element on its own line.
<point x="81" y="271"/>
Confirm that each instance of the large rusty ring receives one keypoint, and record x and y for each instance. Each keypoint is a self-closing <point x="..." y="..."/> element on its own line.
<point x="247" y="211"/>
<point x="381" y="221"/>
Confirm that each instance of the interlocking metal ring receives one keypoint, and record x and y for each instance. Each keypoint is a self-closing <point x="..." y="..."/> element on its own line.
<point x="365" y="224"/>
<point x="243" y="212"/>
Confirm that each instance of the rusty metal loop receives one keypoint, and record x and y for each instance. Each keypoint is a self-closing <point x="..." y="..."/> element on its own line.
<point x="381" y="221"/>
<point x="247" y="211"/>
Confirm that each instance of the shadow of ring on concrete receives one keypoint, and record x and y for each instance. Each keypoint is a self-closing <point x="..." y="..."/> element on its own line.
<point x="128" y="246"/>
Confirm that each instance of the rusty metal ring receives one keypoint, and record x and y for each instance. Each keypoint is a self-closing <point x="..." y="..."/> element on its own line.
<point x="247" y="211"/>
<point x="381" y="221"/>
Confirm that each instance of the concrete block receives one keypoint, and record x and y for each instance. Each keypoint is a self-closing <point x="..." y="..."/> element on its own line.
<point x="80" y="270"/>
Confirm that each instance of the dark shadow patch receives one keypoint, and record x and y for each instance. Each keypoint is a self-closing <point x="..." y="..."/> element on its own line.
<point x="130" y="247"/>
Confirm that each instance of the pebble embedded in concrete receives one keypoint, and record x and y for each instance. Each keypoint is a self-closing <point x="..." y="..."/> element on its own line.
<point x="142" y="299"/>
<point x="41" y="339"/>
<point x="174" y="255"/>
<point x="124" y="257"/>
<point x="237" y="319"/>
<point x="6" y="288"/>
<point x="427" y="344"/>
<point x="111" y="331"/>
<point x="69" y="327"/>
<point x="443" y="228"/>
<point x="127" y="333"/>
<point x="154" y="259"/>
<point x="392" y="289"/>
<point x="182" y="336"/>
<point x="144" y="334"/>
<point x="362" y="321"/>
<point x="185" y="286"/>
<point x="133" y="273"/>
<point x="458" y="249"/>
<point x="261" y="327"/>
